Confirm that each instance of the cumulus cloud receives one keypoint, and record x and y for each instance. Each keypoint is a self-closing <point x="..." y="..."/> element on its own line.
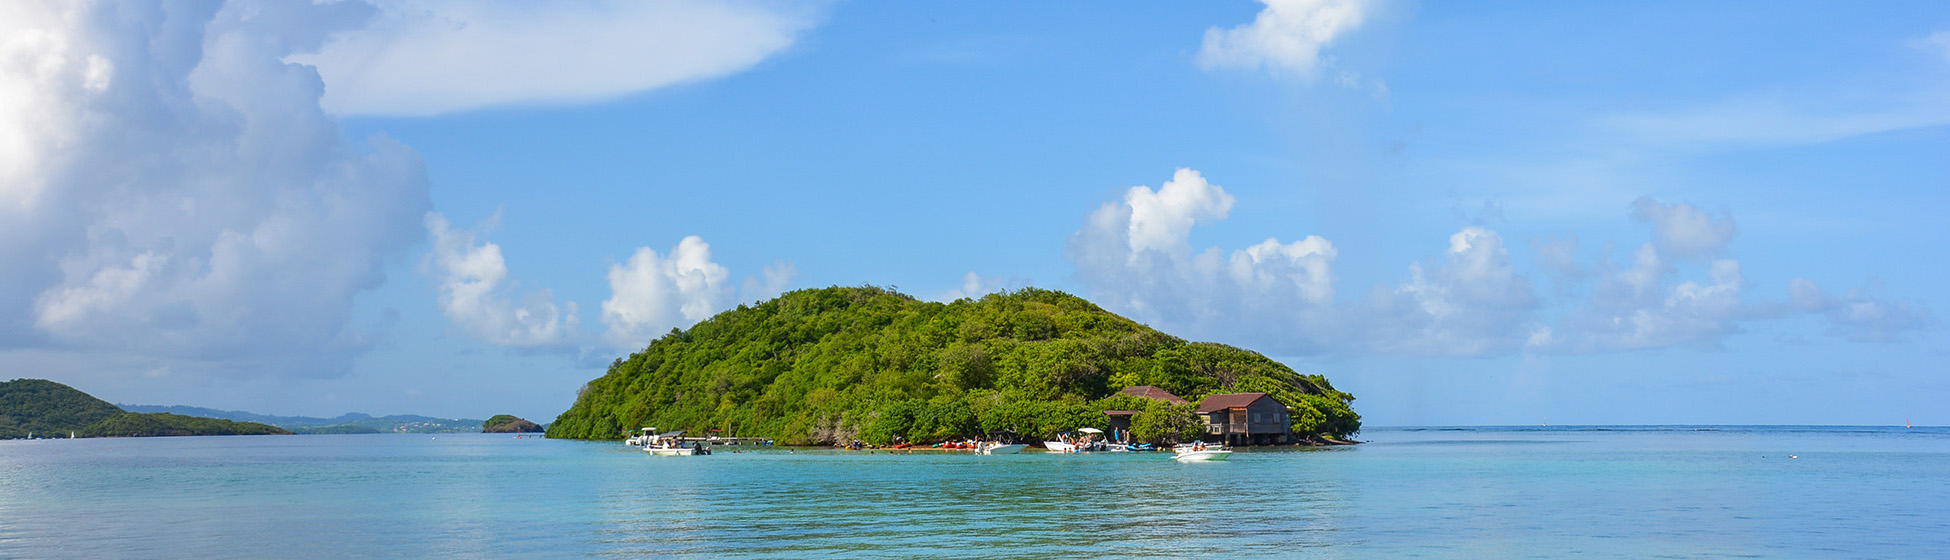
<point x="424" y="57"/>
<point x="652" y="293"/>
<point x="474" y="293"/>
<point x="1680" y="289"/>
<point x="1472" y="303"/>
<point x="1684" y="230"/>
<point x="1286" y="36"/>
<point x="1135" y="255"/>
<point x="1858" y="315"/>
<point x="170" y="191"/>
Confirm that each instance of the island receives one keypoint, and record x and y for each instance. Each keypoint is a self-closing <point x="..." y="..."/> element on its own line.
<point x="509" y="424"/>
<point x="42" y="408"/>
<point x="837" y="365"/>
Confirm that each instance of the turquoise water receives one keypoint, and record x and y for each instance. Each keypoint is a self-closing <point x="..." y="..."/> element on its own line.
<point x="1667" y="492"/>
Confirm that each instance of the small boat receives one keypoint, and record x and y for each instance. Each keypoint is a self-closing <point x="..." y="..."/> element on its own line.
<point x="999" y="448"/>
<point x="1200" y="452"/>
<point x="1081" y="441"/>
<point x="667" y="444"/>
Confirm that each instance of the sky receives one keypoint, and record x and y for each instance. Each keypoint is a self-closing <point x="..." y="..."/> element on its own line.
<point x="1503" y="213"/>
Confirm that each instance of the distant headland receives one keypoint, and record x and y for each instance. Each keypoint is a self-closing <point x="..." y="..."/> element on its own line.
<point x="46" y="409"/>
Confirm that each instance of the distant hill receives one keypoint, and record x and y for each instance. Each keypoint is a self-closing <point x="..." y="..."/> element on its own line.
<point x="148" y="424"/>
<point x="830" y="365"/>
<point x="508" y="424"/>
<point x="48" y="409"/>
<point x="350" y="423"/>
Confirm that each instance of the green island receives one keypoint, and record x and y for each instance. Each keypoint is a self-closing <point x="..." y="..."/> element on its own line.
<point x="509" y="424"/>
<point x="43" y="408"/>
<point x="834" y="365"/>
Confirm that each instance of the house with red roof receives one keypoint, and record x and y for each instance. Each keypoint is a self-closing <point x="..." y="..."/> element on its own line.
<point x="1246" y="419"/>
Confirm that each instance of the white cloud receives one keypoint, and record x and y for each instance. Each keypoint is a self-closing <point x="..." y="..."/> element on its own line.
<point x="424" y="57"/>
<point x="473" y="293"/>
<point x="1858" y="315"/>
<point x="1684" y="230"/>
<point x="1286" y="36"/>
<point x="1472" y="303"/>
<point x="170" y="192"/>
<point x="1135" y="257"/>
<point x="651" y="293"/>
<point x="1160" y="220"/>
<point x="1690" y="314"/>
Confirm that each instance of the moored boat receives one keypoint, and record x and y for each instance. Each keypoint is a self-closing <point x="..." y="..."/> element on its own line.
<point x="1200" y="452"/>
<point x="999" y="448"/>
<point x="667" y="444"/>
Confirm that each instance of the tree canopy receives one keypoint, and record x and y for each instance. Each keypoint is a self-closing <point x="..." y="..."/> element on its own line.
<point x="837" y="364"/>
<point x="51" y="409"/>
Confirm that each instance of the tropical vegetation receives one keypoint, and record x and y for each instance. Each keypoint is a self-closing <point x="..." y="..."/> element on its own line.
<point x="48" y="409"/>
<point x="839" y="364"/>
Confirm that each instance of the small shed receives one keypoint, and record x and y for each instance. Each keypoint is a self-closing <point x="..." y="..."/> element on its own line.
<point x="1246" y="419"/>
<point x="1120" y="420"/>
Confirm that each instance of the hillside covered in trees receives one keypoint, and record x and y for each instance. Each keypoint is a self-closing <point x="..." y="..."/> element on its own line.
<point x="48" y="409"/>
<point x="837" y="364"/>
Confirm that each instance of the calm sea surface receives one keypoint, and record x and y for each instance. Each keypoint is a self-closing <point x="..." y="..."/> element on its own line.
<point x="1628" y="492"/>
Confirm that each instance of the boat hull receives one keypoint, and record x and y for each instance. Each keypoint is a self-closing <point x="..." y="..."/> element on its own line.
<point x="670" y="450"/>
<point x="1003" y="449"/>
<point x="1202" y="456"/>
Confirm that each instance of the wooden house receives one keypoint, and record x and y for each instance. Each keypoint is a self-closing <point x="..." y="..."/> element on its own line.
<point x="1246" y="419"/>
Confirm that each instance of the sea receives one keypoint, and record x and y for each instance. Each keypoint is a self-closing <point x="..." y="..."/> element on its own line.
<point x="1473" y="492"/>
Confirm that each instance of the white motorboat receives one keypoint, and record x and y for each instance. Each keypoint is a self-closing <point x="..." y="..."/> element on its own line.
<point x="1200" y="452"/>
<point x="1201" y="456"/>
<point x="667" y="444"/>
<point x="1083" y="440"/>
<point x="999" y="448"/>
<point x="641" y="437"/>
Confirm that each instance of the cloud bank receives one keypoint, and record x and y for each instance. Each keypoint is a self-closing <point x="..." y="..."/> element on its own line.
<point x="427" y="57"/>
<point x="1134" y="256"/>
<point x="171" y="192"/>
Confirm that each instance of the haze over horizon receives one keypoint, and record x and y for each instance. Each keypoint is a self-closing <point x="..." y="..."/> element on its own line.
<point x="1463" y="214"/>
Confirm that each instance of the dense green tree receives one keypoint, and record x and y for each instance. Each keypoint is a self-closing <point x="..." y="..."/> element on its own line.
<point x="838" y="364"/>
<point x="47" y="408"/>
<point x="1164" y="423"/>
<point x="148" y="424"/>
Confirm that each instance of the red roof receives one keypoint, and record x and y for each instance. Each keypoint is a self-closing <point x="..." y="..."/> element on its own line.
<point x="1150" y="392"/>
<point x="1217" y="403"/>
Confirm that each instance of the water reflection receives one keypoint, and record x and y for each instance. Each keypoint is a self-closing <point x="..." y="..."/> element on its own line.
<point x="951" y="505"/>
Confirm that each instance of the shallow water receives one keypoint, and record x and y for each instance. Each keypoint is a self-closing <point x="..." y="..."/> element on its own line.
<point x="1626" y="492"/>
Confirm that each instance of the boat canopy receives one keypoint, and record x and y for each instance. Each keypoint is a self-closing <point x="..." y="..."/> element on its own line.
<point x="1090" y="430"/>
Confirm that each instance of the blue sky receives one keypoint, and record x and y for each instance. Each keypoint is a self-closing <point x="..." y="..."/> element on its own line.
<point x="1509" y="213"/>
